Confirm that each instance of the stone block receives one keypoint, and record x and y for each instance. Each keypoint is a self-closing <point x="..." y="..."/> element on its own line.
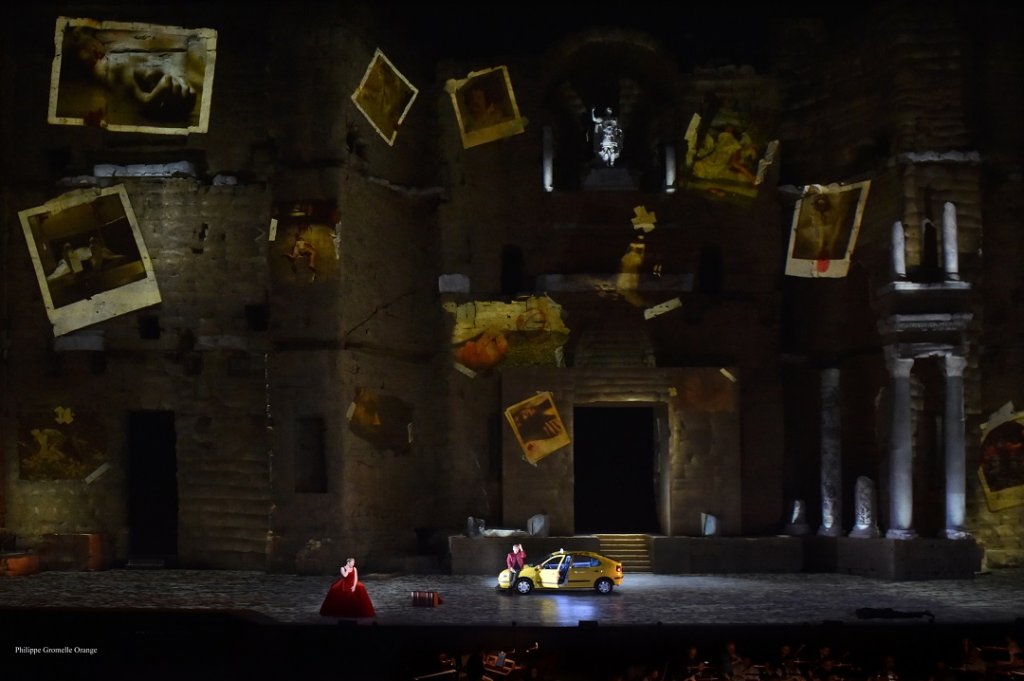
<point x="16" y="564"/>
<point x="81" y="552"/>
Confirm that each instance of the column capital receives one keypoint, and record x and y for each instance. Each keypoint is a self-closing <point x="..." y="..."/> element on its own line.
<point x="953" y="365"/>
<point x="899" y="367"/>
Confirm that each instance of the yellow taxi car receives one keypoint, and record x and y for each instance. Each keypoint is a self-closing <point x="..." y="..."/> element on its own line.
<point x="566" y="570"/>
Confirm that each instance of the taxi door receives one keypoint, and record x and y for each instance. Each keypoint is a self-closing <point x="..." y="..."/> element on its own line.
<point x="583" y="572"/>
<point x="550" y="571"/>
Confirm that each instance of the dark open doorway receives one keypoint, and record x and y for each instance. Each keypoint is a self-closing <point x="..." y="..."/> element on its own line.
<point x="152" y="486"/>
<point x="613" y="465"/>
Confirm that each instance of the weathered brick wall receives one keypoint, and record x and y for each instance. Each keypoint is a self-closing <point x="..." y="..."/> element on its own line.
<point x="222" y="477"/>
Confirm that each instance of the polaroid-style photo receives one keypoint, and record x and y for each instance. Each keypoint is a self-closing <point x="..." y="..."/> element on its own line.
<point x="485" y="106"/>
<point x="132" y="77"/>
<point x="89" y="257"/>
<point x="826" y="221"/>
<point x="537" y="426"/>
<point x="1002" y="463"/>
<point x="384" y="96"/>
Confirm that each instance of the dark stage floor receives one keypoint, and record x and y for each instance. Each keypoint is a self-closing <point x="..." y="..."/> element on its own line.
<point x="231" y="624"/>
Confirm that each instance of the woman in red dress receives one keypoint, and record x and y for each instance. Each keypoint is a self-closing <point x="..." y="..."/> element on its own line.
<point x="347" y="596"/>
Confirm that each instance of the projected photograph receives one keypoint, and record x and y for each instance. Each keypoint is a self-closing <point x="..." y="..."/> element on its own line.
<point x="728" y="150"/>
<point x="1002" y="463"/>
<point x="384" y="96"/>
<point x="537" y="426"/>
<point x="526" y="332"/>
<point x="485" y="106"/>
<point x="62" y="444"/>
<point x="89" y="257"/>
<point x="826" y="221"/>
<point x="304" y="242"/>
<point x="132" y="77"/>
<point x="382" y="420"/>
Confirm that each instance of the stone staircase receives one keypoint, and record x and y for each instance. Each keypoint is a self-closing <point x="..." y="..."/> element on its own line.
<point x="633" y="550"/>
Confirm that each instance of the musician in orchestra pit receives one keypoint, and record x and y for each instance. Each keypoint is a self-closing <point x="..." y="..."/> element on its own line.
<point x="693" y="664"/>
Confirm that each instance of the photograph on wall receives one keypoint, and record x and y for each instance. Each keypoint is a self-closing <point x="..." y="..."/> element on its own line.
<point x="132" y="77"/>
<point x="728" y="150"/>
<point x="60" y="444"/>
<point x="537" y="426"/>
<point x="304" y="242"/>
<point x="1002" y="460"/>
<point x="485" y="106"/>
<point x="525" y="332"/>
<point x="705" y="389"/>
<point x="384" y="96"/>
<point x="826" y="221"/>
<point x="385" y="421"/>
<point x="89" y="257"/>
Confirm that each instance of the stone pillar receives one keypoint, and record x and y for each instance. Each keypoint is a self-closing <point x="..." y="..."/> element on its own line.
<point x="950" y="254"/>
<point x="956" y="465"/>
<point x="865" y="522"/>
<point x="831" y="456"/>
<point x="899" y="251"/>
<point x="901" y="450"/>
<point x="670" y="168"/>
<point x="796" y="524"/>
<point x="548" y="139"/>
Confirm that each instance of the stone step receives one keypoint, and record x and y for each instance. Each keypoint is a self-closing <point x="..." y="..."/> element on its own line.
<point x="632" y="550"/>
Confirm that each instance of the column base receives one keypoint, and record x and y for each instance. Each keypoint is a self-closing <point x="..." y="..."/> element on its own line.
<point x="864" y="532"/>
<point x="834" y="531"/>
<point x="956" y="533"/>
<point x="901" y="534"/>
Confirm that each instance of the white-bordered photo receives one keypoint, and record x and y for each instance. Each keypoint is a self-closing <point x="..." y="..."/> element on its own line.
<point x="132" y="77"/>
<point x="485" y="106"/>
<point x="89" y="257"/>
<point x="826" y="222"/>
<point x="384" y="96"/>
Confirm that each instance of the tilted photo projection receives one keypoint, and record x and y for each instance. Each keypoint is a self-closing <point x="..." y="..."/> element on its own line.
<point x="383" y="420"/>
<point x="384" y="96"/>
<point x="1002" y="461"/>
<point x="132" y="77"/>
<point x="826" y="222"/>
<point x="304" y="242"/>
<point x="60" y="444"/>
<point x="89" y="257"/>
<point x="526" y="332"/>
<point x="485" y="106"/>
<point x="728" y="150"/>
<point x="537" y="426"/>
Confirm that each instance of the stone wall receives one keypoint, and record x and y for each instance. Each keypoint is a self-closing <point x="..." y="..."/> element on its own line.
<point x="252" y="365"/>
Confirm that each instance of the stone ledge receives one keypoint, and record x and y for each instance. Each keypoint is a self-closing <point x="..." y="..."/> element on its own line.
<point x="486" y="555"/>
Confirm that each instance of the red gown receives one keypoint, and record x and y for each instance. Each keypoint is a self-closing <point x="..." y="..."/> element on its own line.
<point x="342" y="601"/>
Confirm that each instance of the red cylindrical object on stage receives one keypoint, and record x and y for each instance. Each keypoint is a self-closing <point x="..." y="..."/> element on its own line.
<point x="427" y="599"/>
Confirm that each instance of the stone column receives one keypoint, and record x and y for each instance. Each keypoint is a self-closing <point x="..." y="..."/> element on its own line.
<point x="956" y="474"/>
<point x="548" y="140"/>
<point x="901" y="449"/>
<point x="670" y="168"/>
<point x="831" y="456"/>
<point x="797" y="523"/>
<point x="865" y="523"/>
<point x="899" y="251"/>
<point x="950" y="253"/>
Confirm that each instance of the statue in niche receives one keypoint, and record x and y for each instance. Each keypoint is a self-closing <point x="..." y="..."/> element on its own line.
<point x="607" y="136"/>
